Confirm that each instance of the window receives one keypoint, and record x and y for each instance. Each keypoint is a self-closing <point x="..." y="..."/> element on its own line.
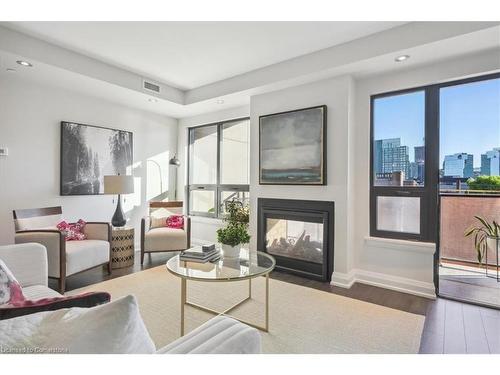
<point x="398" y="145"/>
<point x="406" y="166"/>
<point x="469" y="121"/>
<point x="401" y="189"/>
<point x="219" y="166"/>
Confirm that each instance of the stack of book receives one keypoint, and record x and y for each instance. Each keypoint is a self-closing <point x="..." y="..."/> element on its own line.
<point x="201" y="254"/>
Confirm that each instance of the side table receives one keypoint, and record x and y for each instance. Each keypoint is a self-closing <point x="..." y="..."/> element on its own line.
<point x="122" y="247"/>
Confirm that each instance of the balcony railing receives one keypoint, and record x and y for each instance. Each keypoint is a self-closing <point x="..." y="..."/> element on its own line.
<point x="458" y="208"/>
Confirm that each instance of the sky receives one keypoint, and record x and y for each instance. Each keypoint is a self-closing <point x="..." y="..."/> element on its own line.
<point x="469" y="119"/>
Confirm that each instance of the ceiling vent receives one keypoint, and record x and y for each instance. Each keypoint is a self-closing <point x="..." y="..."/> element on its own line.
<point x="150" y="86"/>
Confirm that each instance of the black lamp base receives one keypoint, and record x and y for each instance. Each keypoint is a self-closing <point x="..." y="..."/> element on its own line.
<point x="118" y="219"/>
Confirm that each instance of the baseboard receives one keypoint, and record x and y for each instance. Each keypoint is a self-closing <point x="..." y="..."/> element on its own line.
<point x="343" y="280"/>
<point x="396" y="283"/>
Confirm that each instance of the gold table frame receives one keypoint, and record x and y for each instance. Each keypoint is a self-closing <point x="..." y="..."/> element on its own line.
<point x="185" y="302"/>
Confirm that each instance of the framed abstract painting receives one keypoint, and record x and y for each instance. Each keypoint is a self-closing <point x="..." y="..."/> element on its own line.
<point x="88" y="153"/>
<point x="292" y="147"/>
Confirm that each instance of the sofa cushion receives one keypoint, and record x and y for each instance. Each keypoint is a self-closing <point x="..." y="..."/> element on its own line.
<point x="27" y="261"/>
<point x="220" y="335"/>
<point x="112" y="328"/>
<point x="165" y="239"/>
<point x="81" y="255"/>
<point x="39" y="291"/>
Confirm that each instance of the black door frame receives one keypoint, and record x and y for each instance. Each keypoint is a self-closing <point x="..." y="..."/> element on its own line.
<point x="432" y="146"/>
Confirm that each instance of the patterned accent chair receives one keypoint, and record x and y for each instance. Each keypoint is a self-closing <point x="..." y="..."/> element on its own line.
<point x="157" y="239"/>
<point x="65" y="258"/>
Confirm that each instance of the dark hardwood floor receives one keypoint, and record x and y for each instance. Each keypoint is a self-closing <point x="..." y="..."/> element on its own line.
<point x="450" y="326"/>
<point x="458" y="328"/>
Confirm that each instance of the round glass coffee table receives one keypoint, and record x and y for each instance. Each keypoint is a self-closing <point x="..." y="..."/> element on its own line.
<point x="249" y="265"/>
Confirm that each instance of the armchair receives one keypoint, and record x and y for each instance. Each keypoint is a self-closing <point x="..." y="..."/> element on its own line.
<point x="64" y="258"/>
<point x="163" y="239"/>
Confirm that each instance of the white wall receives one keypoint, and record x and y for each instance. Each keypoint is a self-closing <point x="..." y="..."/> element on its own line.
<point x="30" y="117"/>
<point x="335" y="94"/>
<point x="202" y="229"/>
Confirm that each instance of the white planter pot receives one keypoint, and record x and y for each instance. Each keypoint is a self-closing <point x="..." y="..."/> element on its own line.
<point x="492" y="246"/>
<point x="231" y="251"/>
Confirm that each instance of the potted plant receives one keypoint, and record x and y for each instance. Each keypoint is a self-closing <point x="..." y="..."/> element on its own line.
<point x="235" y="233"/>
<point x="485" y="235"/>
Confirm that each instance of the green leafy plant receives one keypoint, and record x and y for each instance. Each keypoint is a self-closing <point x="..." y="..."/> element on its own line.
<point x="233" y="235"/>
<point x="481" y="234"/>
<point x="484" y="183"/>
<point x="237" y="218"/>
<point x="237" y="212"/>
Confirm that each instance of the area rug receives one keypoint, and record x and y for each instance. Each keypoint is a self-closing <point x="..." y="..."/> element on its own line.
<point x="302" y="320"/>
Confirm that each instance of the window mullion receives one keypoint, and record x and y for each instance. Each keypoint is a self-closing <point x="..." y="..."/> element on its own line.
<point x="217" y="190"/>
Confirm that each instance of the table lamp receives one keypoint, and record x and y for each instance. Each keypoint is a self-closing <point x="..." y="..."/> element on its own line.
<point x="118" y="185"/>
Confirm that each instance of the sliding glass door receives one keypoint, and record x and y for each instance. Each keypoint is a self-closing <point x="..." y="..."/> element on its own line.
<point x="469" y="187"/>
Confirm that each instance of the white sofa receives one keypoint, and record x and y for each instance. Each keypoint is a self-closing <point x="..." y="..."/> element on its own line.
<point x="28" y="263"/>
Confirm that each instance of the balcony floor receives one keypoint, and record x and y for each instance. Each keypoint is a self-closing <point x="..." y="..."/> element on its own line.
<point x="469" y="284"/>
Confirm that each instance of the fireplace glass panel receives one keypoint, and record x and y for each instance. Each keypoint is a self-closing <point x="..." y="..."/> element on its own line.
<point x="295" y="239"/>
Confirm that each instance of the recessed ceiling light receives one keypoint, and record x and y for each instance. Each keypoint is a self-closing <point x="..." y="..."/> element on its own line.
<point x="11" y="70"/>
<point x="24" y="63"/>
<point x="402" y="58"/>
<point x="152" y="100"/>
<point x="220" y="101"/>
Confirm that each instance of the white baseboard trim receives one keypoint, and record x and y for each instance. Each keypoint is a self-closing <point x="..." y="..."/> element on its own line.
<point x="343" y="280"/>
<point x="396" y="283"/>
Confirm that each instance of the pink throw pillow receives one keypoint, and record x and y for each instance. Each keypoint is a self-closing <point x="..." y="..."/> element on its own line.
<point x="175" y="222"/>
<point x="74" y="231"/>
<point x="10" y="289"/>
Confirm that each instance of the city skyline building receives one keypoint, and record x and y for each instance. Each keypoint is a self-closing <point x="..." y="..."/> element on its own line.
<point x="459" y="165"/>
<point x="390" y="156"/>
<point x="490" y="162"/>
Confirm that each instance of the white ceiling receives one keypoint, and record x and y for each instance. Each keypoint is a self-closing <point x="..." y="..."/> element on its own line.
<point x="56" y="65"/>
<point x="187" y="55"/>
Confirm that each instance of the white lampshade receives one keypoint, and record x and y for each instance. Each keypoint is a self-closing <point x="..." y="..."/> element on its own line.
<point x="118" y="184"/>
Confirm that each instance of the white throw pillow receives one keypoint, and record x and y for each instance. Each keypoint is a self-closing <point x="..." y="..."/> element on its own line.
<point x="112" y="328"/>
<point x="158" y="222"/>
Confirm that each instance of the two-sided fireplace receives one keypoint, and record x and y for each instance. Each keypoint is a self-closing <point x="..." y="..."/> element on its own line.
<point x="299" y="234"/>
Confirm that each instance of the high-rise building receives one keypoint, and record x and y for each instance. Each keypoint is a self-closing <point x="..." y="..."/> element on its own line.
<point x="459" y="165"/>
<point x="390" y="156"/>
<point x="420" y="163"/>
<point x="419" y="154"/>
<point x="490" y="162"/>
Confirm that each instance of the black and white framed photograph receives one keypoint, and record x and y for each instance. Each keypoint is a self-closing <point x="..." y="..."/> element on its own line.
<point x="88" y="153"/>
<point x="292" y="147"/>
